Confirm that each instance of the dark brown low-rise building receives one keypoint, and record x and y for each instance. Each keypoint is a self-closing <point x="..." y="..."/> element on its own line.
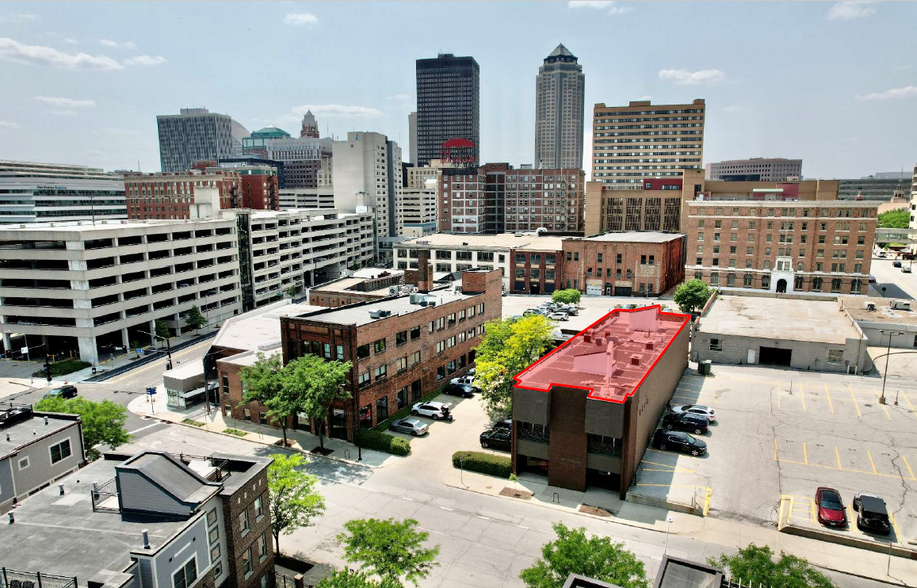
<point x="585" y="413"/>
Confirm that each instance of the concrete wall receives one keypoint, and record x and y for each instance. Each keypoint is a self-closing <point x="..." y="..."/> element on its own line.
<point x="40" y="471"/>
<point x="7" y="492"/>
<point x="191" y="542"/>
<point x="806" y="355"/>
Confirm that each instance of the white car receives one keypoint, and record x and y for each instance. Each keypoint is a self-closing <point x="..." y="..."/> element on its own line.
<point x="433" y="410"/>
<point x="698" y="409"/>
<point x="558" y="316"/>
<point x="466" y="379"/>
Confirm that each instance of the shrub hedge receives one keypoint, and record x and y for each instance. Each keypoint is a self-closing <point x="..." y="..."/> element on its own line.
<point x="406" y="411"/>
<point x="371" y="439"/>
<point x="484" y="463"/>
<point x="62" y="368"/>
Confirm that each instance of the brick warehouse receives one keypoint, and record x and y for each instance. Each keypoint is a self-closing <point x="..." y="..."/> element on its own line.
<point x="584" y="414"/>
<point x="169" y="195"/>
<point x="402" y="347"/>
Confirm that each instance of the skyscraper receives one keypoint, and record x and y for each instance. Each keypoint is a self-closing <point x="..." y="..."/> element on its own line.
<point x="197" y="134"/>
<point x="448" y="109"/>
<point x="559" y="111"/>
<point x="309" y="126"/>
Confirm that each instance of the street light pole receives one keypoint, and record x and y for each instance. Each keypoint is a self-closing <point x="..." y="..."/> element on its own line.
<point x="168" y="347"/>
<point x="668" y="523"/>
<point x="887" y="353"/>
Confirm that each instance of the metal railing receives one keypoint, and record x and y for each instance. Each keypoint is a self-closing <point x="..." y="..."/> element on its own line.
<point x="10" y="578"/>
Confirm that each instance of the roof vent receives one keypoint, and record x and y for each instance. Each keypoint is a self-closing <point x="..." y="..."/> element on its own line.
<point x="634" y="360"/>
<point x="384" y="313"/>
<point x="146" y="538"/>
<point x="46" y="421"/>
<point x="431" y="303"/>
<point x="870" y="306"/>
<point x="375" y="313"/>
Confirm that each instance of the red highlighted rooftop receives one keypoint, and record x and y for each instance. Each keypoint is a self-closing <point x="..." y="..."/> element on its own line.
<point x="611" y="357"/>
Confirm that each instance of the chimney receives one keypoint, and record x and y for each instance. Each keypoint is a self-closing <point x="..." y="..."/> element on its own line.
<point x="46" y="421"/>
<point x="12" y="517"/>
<point x="146" y="538"/>
<point x="61" y="488"/>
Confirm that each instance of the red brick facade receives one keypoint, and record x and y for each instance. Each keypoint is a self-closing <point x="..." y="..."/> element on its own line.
<point x="169" y="195"/>
<point x="251" y="549"/>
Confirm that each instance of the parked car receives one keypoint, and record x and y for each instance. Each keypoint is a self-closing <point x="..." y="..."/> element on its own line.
<point x="872" y="515"/>
<point x="463" y="390"/>
<point x="896" y="263"/>
<point x="410" y="426"/>
<point x="531" y="312"/>
<point x="571" y="310"/>
<point x="62" y="392"/>
<point x="906" y="270"/>
<point x="685" y="421"/>
<point x="831" y="511"/>
<point x="881" y="254"/>
<point x="678" y="441"/>
<point x="466" y="379"/>
<point x="558" y="316"/>
<point x="698" y="409"/>
<point x="496" y="439"/>
<point x="506" y="424"/>
<point x="434" y="410"/>
<point x="872" y="279"/>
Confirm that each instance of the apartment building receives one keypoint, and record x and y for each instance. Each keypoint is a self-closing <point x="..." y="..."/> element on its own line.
<point x="401" y="348"/>
<point x="36" y="448"/>
<point x="416" y="210"/>
<point x="44" y="192"/>
<point x="307" y="198"/>
<point x="448" y="108"/>
<point x="756" y="169"/>
<point x="496" y="198"/>
<point x="781" y="244"/>
<point x="259" y="185"/>
<point x="644" y="140"/>
<point x="197" y="134"/>
<point x="359" y="286"/>
<point x="417" y="176"/>
<point x="585" y="413"/>
<point x="171" y="195"/>
<point x="147" y="519"/>
<point x="559" y="105"/>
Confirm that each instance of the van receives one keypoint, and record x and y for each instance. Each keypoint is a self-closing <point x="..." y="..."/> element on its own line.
<point x="871" y="514"/>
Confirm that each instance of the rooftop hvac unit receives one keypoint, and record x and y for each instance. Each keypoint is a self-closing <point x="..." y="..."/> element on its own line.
<point x="416" y="299"/>
<point x="431" y="303"/>
<point x="901" y="305"/>
<point x="375" y="313"/>
<point x="393" y="290"/>
<point x="423" y="302"/>
<point x="870" y="306"/>
<point x="384" y="313"/>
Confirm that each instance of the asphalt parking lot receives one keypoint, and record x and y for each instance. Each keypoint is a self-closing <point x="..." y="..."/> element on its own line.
<point x="781" y="434"/>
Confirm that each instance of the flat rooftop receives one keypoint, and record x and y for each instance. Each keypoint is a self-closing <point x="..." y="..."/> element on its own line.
<point x="501" y="241"/>
<point x="30" y="430"/>
<point x="816" y="321"/>
<point x="610" y="358"/>
<point x="635" y="237"/>
<point x="884" y="313"/>
<point x="359" y="314"/>
<point x="259" y="327"/>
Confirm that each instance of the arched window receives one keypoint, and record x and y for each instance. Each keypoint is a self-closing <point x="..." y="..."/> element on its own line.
<point x="714" y="279"/>
<point x="766" y="282"/>
<point x="747" y="280"/>
<point x="855" y="286"/>
<point x="836" y="285"/>
<point x="797" y="283"/>
<point x="817" y="284"/>
<point x="698" y="276"/>
<point x="730" y="280"/>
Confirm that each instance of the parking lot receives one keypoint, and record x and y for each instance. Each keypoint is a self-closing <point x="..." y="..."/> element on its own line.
<point x="781" y="434"/>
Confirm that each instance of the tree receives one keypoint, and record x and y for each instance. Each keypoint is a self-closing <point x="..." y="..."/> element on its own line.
<point x="319" y="383"/>
<point x="595" y="557"/>
<point x="692" y="295"/>
<point x="294" y="499"/>
<point x="894" y="219"/>
<point x="568" y="296"/>
<point x="293" y="290"/>
<point x="263" y="382"/>
<point x="755" y="565"/>
<point x="348" y="579"/>
<point x="102" y="422"/>
<point x="163" y="331"/>
<point x="389" y="549"/>
<point x="195" y="319"/>
<point x="509" y="346"/>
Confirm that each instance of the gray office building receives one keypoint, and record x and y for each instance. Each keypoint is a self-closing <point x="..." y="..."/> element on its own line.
<point x="197" y="134"/>
<point x="448" y="110"/>
<point x="559" y="105"/>
<point x="756" y="169"/>
<point x="880" y="186"/>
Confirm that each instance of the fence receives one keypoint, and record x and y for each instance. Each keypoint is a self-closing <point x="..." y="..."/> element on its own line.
<point x="10" y="578"/>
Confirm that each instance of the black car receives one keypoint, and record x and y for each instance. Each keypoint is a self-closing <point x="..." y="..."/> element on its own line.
<point x="692" y="423"/>
<point x="463" y="390"/>
<point x="678" y="441"/>
<point x="871" y="514"/>
<point x="496" y="439"/>
<point x="506" y="425"/>
<point x="62" y="392"/>
<point x="896" y="264"/>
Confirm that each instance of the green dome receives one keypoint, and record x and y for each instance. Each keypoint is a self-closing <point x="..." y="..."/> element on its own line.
<point x="270" y="133"/>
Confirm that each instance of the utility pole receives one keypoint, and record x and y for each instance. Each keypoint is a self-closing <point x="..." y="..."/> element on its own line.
<point x="887" y="353"/>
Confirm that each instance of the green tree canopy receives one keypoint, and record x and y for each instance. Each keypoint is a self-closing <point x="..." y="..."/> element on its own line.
<point x="162" y="330"/>
<point x="509" y="346"/>
<point x="568" y="296"/>
<point x="692" y="295"/>
<point x="195" y="319"/>
<point x="319" y="383"/>
<point x="389" y="549"/>
<point x="755" y="566"/>
<point x="348" y="579"/>
<point x="575" y="553"/>
<point x="895" y="219"/>
<point x="103" y="422"/>
<point x="294" y="499"/>
<point x="263" y="382"/>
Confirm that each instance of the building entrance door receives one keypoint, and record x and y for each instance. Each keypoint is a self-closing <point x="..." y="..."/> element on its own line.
<point x="781" y="286"/>
<point x="776" y="356"/>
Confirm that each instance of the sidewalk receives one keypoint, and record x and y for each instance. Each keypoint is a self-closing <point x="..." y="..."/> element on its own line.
<point x="302" y="441"/>
<point x="729" y="534"/>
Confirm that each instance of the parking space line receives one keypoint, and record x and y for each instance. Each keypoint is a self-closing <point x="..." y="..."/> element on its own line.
<point x="906" y="399"/>
<point x="885" y="408"/>
<point x="830" y="404"/>
<point x="908" y="466"/>
<point x="671" y="468"/>
<point x="812" y="510"/>
<point x="805" y="454"/>
<point x="778" y="400"/>
<point x="855" y="405"/>
<point x="801" y="395"/>
<point x="871" y="462"/>
<point x="837" y="454"/>
<point x="775" y="449"/>
<point x="898" y="536"/>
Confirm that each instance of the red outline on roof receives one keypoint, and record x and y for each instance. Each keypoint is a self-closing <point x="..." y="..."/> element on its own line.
<point x="686" y="317"/>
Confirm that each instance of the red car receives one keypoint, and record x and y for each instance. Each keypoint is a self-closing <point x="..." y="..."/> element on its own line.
<point x="831" y="511"/>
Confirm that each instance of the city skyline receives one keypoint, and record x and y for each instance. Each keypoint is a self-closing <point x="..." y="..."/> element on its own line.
<point x="84" y="85"/>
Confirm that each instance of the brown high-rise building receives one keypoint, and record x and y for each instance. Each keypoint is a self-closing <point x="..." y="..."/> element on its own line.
<point x="169" y="195"/>
<point x="642" y="140"/>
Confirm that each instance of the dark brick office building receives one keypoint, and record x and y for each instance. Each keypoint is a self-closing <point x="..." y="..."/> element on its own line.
<point x="585" y="413"/>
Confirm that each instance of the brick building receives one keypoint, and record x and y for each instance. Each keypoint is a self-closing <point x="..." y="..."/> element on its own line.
<point x="584" y="414"/>
<point x="259" y="186"/>
<point x="786" y="245"/>
<point x="170" y="195"/>
<point x="364" y="285"/>
<point x="401" y="348"/>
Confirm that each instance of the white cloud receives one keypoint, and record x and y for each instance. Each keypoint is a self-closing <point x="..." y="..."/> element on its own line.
<point x="400" y="97"/>
<point x="850" y="10"/>
<point x="301" y="19"/>
<point x="123" y="45"/>
<point x="905" y="92"/>
<point x="338" y="110"/>
<point x="613" y="7"/>
<point x="68" y="102"/>
<point x="17" y="18"/>
<point x="145" y="60"/>
<point x="5" y="124"/>
<point x="13" y="50"/>
<point x="62" y="38"/>
<point x="63" y="112"/>
<point x="684" y="77"/>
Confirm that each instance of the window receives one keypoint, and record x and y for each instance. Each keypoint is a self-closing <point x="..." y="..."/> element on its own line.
<point x="60" y="451"/>
<point x="363" y="351"/>
<point x="243" y="522"/>
<point x="259" y="508"/>
<point x="379" y="346"/>
<point x="363" y="379"/>
<point x="415" y="333"/>
<point x="224" y="383"/>
<point x="415" y="358"/>
<point x="835" y="356"/>
<point x="246" y="562"/>
<point x="716" y="345"/>
<point x="380" y="372"/>
<point x="23" y="463"/>
<point x="186" y="575"/>
<point x="214" y="553"/>
<point x="402" y="397"/>
<point x="401" y="337"/>
<point x="211" y="517"/>
<point x="339" y="350"/>
<point x="402" y="363"/>
<point x="214" y="535"/>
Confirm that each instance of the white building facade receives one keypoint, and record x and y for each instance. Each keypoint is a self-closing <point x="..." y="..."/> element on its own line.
<point x="559" y="103"/>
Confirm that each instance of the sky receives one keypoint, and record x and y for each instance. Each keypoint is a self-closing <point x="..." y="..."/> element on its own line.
<point x="833" y="83"/>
